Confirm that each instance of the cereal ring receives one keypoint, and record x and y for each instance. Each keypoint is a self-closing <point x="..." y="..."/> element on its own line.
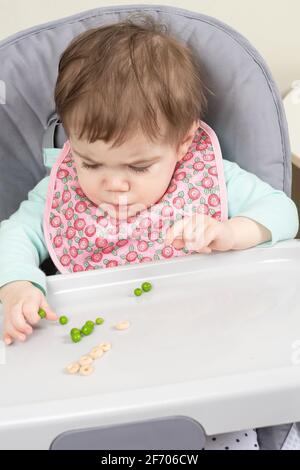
<point x="86" y="370"/>
<point x="96" y="352"/>
<point x="73" y="368"/>
<point x="85" y="360"/>
<point x="105" y="346"/>
<point x="122" y="325"/>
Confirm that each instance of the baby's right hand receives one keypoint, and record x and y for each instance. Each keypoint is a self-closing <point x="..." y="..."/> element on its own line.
<point x="21" y="302"/>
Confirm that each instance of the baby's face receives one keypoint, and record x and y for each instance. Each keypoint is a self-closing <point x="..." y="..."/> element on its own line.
<point x="126" y="179"/>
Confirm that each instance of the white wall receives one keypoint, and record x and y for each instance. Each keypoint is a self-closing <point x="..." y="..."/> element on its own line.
<point x="270" y="25"/>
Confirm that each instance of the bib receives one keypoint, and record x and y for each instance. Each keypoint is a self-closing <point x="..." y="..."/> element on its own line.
<point x="81" y="236"/>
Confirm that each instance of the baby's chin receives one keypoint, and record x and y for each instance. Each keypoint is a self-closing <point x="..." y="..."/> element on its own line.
<point x="130" y="210"/>
<point x="120" y="213"/>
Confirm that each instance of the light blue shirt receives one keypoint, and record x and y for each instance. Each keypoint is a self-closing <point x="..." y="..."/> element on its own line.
<point x="23" y="247"/>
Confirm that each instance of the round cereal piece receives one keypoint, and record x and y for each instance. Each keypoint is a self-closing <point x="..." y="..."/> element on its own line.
<point x="122" y="325"/>
<point x="96" y="352"/>
<point x="73" y="368"/>
<point x="86" y="370"/>
<point x="105" y="346"/>
<point x="85" y="360"/>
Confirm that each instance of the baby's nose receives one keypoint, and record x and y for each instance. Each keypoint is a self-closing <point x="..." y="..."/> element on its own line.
<point x="116" y="185"/>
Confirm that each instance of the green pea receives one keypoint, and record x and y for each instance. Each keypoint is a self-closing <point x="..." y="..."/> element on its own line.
<point x="76" y="337"/>
<point x="63" y="320"/>
<point x="146" y="286"/>
<point x="75" y="331"/>
<point x="42" y="313"/>
<point x="99" y="321"/>
<point x="86" y="330"/>
<point x="90" y="323"/>
<point x="138" y="291"/>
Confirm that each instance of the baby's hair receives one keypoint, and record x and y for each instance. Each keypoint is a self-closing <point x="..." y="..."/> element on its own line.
<point x="116" y="79"/>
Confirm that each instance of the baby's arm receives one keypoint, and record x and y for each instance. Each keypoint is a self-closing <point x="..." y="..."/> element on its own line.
<point x="22" y="245"/>
<point x="256" y="210"/>
<point x="22" y="283"/>
<point x="245" y="233"/>
<point x="258" y="215"/>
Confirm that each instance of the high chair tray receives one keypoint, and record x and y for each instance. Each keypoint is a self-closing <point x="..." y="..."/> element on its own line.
<point x="217" y="339"/>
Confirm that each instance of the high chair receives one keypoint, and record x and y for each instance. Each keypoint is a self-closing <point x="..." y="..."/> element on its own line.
<point x="195" y="364"/>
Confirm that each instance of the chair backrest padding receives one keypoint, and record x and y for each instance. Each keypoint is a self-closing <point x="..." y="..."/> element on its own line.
<point x="245" y="111"/>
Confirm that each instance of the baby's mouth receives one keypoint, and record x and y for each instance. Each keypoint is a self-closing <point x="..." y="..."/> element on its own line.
<point x="117" y="210"/>
<point x="120" y="208"/>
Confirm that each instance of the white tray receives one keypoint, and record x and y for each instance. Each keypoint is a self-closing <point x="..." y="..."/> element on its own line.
<point x="217" y="340"/>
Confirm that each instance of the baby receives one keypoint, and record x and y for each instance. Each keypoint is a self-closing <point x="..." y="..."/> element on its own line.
<point x="140" y="177"/>
<point x="131" y="98"/>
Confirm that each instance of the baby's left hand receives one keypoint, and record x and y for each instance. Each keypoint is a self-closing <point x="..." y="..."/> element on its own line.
<point x="201" y="233"/>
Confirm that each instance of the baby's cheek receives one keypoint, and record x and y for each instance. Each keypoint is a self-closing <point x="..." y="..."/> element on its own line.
<point x="89" y="190"/>
<point x="86" y="184"/>
<point x="81" y="179"/>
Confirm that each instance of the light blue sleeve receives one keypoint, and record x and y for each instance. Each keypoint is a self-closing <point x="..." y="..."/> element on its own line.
<point x="22" y="244"/>
<point x="249" y="196"/>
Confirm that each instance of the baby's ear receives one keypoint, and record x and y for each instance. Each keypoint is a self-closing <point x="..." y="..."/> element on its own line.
<point x="188" y="139"/>
<point x="193" y="130"/>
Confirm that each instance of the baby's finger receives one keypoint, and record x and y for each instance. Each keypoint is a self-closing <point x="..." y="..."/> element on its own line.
<point x="20" y="324"/>
<point x="205" y="250"/>
<point x="7" y="339"/>
<point x="194" y="239"/>
<point x="50" y="314"/>
<point x="193" y="233"/>
<point x="176" y="231"/>
<point x="208" y="237"/>
<point x="178" y="244"/>
<point x="14" y="333"/>
<point x="30" y="312"/>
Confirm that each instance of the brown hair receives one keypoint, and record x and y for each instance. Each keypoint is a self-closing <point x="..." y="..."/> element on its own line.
<point x="117" y="78"/>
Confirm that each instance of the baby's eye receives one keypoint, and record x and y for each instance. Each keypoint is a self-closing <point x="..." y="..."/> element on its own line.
<point x="139" y="170"/>
<point x="133" y="168"/>
<point x="85" y="165"/>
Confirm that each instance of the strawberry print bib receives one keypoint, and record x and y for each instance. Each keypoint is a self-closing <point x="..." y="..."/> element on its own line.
<point x="81" y="236"/>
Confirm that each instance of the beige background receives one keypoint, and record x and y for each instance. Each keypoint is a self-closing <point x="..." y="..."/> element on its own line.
<point x="272" y="27"/>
